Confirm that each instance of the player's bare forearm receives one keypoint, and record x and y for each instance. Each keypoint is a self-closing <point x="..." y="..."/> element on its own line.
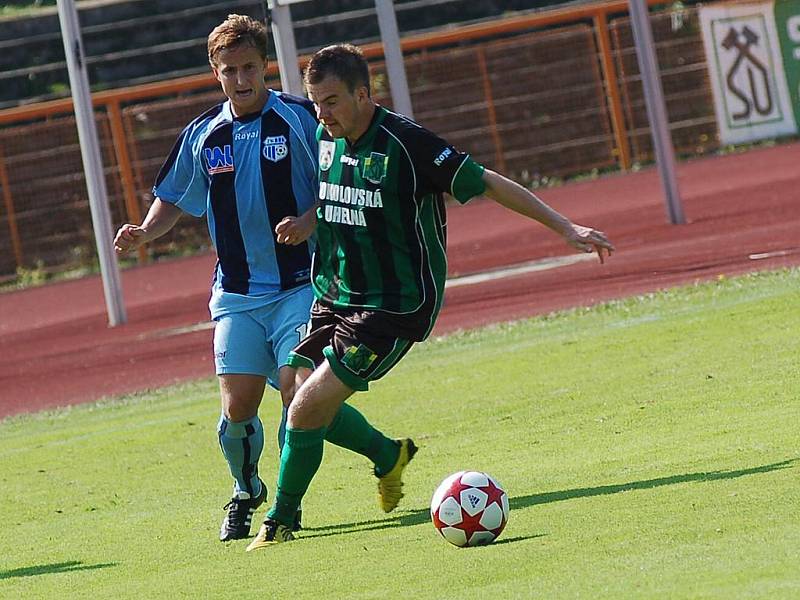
<point x="515" y="197"/>
<point x="161" y="217"/>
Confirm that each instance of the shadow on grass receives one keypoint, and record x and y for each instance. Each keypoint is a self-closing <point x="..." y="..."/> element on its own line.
<point x="401" y="519"/>
<point x="546" y="498"/>
<point x="418" y="516"/>
<point x="62" y="567"/>
<point x="512" y="540"/>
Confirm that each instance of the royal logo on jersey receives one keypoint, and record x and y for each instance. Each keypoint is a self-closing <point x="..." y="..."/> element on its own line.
<point x="374" y="167"/>
<point x="442" y="156"/>
<point x="275" y="148"/>
<point x="326" y="150"/>
<point x="219" y="160"/>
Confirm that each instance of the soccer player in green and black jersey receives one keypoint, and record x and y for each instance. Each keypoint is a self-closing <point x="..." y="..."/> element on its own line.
<point x="379" y="270"/>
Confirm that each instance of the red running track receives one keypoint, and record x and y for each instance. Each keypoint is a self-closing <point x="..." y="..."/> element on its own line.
<point x="743" y="214"/>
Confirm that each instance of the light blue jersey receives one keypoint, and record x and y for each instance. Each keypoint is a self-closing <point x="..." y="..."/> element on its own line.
<point x="246" y="174"/>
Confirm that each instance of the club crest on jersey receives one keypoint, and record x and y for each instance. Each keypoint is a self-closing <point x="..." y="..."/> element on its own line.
<point x="374" y="167"/>
<point x="326" y="151"/>
<point x="275" y="148"/>
<point x="219" y="160"/>
<point x="358" y="358"/>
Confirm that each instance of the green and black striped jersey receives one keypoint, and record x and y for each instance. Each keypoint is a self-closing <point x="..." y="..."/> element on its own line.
<point x="381" y="224"/>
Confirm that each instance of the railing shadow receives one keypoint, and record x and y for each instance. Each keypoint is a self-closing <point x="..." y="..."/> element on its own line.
<point x="412" y="517"/>
<point x="62" y="567"/>
<point x="701" y="477"/>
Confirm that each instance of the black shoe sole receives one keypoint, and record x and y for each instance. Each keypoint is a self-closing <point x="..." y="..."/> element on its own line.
<point x="412" y="449"/>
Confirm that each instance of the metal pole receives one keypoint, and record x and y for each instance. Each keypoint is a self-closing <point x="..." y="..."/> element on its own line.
<point x="92" y="161"/>
<point x="285" y="47"/>
<point x="392" y="52"/>
<point x="656" y="109"/>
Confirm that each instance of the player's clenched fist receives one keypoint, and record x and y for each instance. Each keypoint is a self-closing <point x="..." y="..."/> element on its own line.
<point x="128" y="237"/>
<point x="296" y="230"/>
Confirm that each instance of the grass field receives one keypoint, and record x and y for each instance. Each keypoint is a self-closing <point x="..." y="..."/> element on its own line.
<point x="650" y="447"/>
<point x="21" y="8"/>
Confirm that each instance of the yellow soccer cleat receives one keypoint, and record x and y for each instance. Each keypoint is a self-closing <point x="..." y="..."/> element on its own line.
<point x="271" y="532"/>
<point x="390" y="486"/>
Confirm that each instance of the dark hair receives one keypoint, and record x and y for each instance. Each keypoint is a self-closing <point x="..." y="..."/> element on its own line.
<point x="344" y="61"/>
<point x="236" y="30"/>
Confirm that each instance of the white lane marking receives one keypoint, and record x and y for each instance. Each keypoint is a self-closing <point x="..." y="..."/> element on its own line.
<point x="528" y="267"/>
<point x="774" y="254"/>
<point x="476" y="278"/>
<point x="162" y="333"/>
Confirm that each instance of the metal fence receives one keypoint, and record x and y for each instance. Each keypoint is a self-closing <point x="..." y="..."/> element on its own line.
<point x="547" y="95"/>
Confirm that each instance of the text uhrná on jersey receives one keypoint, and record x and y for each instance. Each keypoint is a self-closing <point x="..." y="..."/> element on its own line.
<point x="352" y="196"/>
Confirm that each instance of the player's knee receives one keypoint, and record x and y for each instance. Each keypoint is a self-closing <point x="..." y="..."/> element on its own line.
<point x="288" y="384"/>
<point x="237" y="414"/>
<point x="299" y="413"/>
<point x="239" y="408"/>
<point x="305" y="411"/>
<point x="290" y="381"/>
<point x="287" y="393"/>
<point x="241" y="396"/>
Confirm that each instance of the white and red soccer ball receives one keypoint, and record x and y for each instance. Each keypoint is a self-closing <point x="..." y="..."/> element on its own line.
<point x="469" y="508"/>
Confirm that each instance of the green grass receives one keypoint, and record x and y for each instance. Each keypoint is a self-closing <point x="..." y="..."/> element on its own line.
<point x="18" y="9"/>
<point x="650" y="448"/>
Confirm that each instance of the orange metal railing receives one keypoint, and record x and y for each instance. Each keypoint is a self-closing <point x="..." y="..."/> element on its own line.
<point x="111" y="102"/>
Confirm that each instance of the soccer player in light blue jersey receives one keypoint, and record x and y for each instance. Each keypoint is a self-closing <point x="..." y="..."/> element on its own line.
<point x="250" y="166"/>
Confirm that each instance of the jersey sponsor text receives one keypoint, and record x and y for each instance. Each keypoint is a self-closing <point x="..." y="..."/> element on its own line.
<point x="442" y="156"/>
<point x="245" y="135"/>
<point x="219" y="160"/>
<point x="344" y="215"/>
<point x="344" y="194"/>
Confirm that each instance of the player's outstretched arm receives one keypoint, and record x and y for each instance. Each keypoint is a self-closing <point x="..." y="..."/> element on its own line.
<point x="512" y="195"/>
<point x="296" y="230"/>
<point x="161" y="217"/>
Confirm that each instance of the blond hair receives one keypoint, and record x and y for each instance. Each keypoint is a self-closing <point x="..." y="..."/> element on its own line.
<point x="236" y="30"/>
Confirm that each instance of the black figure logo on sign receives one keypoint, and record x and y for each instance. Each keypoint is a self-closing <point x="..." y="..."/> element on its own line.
<point x="757" y="95"/>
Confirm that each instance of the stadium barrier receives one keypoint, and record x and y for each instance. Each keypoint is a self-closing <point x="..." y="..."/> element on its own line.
<point x="539" y="96"/>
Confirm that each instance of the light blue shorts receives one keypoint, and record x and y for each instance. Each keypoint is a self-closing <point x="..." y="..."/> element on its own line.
<point x="258" y="342"/>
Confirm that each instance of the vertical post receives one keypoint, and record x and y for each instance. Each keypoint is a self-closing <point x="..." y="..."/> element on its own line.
<point x="612" y="91"/>
<point x="499" y="155"/>
<point x="625" y="98"/>
<point x="136" y="169"/>
<point x="656" y="109"/>
<point x="92" y="161"/>
<point x="285" y="47"/>
<point x="16" y="244"/>
<point x="392" y="52"/>
<point x="126" y="173"/>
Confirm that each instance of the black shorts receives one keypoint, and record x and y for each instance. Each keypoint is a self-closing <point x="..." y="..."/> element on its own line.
<point x="358" y="344"/>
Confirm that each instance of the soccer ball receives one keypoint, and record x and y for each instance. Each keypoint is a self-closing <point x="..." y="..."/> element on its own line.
<point x="469" y="508"/>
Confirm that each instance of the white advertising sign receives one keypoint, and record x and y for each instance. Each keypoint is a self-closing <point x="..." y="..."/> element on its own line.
<point x="745" y="65"/>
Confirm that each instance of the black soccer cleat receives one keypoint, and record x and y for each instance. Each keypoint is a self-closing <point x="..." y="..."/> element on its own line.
<point x="236" y="524"/>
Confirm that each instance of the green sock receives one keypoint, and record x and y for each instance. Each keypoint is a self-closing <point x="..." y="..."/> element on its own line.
<point x="349" y="429"/>
<point x="300" y="459"/>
